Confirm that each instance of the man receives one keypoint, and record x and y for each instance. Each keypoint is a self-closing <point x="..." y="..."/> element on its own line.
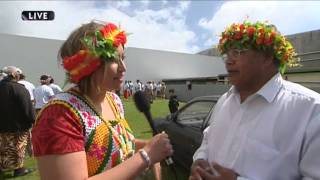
<point x="265" y="128"/>
<point x="56" y="88"/>
<point x="42" y="93"/>
<point x="28" y="85"/>
<point x="173" y="102"/>
<point x="17" y="117"/>
<point x="138" y="86"/>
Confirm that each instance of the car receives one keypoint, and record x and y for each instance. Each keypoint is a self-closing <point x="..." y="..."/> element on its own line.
<point x="185" y="127"/>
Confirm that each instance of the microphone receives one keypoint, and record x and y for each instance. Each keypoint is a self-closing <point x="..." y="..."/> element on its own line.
<point x="143" y="105"/>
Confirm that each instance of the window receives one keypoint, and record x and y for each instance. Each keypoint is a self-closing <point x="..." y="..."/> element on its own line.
<point x="194" y="114"/>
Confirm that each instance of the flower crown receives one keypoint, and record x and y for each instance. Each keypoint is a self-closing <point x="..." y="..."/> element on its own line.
<point x="259" y="36"/>
<point x="102" y="46"/>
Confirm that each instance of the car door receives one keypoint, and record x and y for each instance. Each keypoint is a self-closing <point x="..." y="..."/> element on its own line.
<point x="186" y="131"/>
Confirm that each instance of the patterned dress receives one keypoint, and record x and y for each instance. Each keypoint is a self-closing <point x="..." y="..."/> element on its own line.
<point x="106" y="142"/>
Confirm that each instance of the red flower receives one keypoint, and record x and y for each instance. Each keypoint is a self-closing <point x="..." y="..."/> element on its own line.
<point x="120" y="38"/>
<point x="251" y="31"/>
<point x="261" y="30"/>
<point x="259" y="40"/>
<point x="238" y="35"/>
<point x="241" y="28"/>
<point x="268" y="42"/>
<point x="111" y="27"/>
<point x="105" y="31"/>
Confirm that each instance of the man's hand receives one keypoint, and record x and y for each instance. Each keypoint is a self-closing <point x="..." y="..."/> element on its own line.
<point x="198" y="164"/>
<point x="223" y="173"/>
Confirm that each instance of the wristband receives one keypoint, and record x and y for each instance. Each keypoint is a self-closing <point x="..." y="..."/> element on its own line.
<point x="145" y="157"/>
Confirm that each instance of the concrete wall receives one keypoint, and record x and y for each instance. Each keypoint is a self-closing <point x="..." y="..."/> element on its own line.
<point x="146" y="64"/>
<point x="198" y="89"/>
<point x="307" y="45"/>
<point x="310" y="80"/>
<point x="306" y="41"/>
<point x="304" y="77"/>
<point x="36" y="56"/>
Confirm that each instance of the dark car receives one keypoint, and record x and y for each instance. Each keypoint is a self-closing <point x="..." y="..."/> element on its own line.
<point x="185" y="127"/>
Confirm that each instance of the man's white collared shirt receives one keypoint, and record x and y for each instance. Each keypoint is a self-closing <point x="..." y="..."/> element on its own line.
<point x="273" y="135"/>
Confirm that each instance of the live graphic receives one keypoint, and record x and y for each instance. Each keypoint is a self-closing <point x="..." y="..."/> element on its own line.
<point x="37" y="15"/>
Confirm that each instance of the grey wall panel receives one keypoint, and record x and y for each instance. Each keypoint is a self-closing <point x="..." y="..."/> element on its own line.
<point x="36" y="56"/>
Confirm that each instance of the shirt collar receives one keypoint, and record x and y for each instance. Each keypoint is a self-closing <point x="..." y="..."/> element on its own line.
<point x="271" y="88"/>
<point x="268" y="91"/>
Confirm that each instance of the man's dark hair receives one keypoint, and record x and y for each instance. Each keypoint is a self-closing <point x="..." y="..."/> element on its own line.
<point x="22" y="76"/>
<point x="51" y="80"/>
<point x="44" y="77"/>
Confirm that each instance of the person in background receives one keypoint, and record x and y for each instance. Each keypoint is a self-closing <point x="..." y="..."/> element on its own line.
<point x="264" y="127"/>
<point x="42" y="93"/>
<point x="138" y="86"/>
<point x="154" y="90"/>
<point x="149" y="91"/>
<point x="131" y="88"/>
<point x="173" y="102"/>
<point x="126" y="90"/>
<point x="82" y="133"/>
<point x="158" y="89"/>
<point x="17" y="117"/>
<point x="28" y="85"/>
<point x="163" y="90"/>
<point x="56" y="88"/>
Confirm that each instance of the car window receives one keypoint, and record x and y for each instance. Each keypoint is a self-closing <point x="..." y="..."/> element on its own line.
<point x="195" y="113"/>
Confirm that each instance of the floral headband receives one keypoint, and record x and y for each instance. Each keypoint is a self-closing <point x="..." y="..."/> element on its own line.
<point x="102" y="46"/>
<point x="259" y="36"/>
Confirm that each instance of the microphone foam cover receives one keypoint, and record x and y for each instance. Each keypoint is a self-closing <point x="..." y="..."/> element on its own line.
<point x="141" y="101"/>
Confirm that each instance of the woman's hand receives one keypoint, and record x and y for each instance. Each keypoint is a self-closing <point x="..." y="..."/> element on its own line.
<point x="158" y="148"/>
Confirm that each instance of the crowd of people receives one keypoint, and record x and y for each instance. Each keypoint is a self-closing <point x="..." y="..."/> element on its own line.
<point x="263" y="128"/>
<point x="20" y="100"/>
<point x="151" y="89"/>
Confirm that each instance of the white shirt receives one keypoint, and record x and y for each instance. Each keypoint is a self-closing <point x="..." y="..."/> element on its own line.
<point x="29" y="86"/>
<point x="56" y="89"/>
<point x="158" y="87"/>
<point x="138" y="86"/>
<point x="273" y="135"/>
<point x="42" y="94"/>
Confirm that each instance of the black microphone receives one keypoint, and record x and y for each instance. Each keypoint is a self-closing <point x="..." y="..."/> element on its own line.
<point x="143" y="105"/>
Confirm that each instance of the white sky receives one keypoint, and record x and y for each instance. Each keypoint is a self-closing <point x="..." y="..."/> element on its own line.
<point x="180" y="26"/>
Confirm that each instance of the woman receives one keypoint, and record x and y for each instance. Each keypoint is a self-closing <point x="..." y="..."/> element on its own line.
<point x="82" y="133"/>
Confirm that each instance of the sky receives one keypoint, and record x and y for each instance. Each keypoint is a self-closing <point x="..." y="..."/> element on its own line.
<point x="179" y="26"/>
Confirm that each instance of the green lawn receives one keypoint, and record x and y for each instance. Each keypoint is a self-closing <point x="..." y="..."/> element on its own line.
<point x="141" y="130"/>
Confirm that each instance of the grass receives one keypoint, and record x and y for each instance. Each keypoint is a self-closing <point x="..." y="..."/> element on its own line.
<point x="141" y="129"/>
